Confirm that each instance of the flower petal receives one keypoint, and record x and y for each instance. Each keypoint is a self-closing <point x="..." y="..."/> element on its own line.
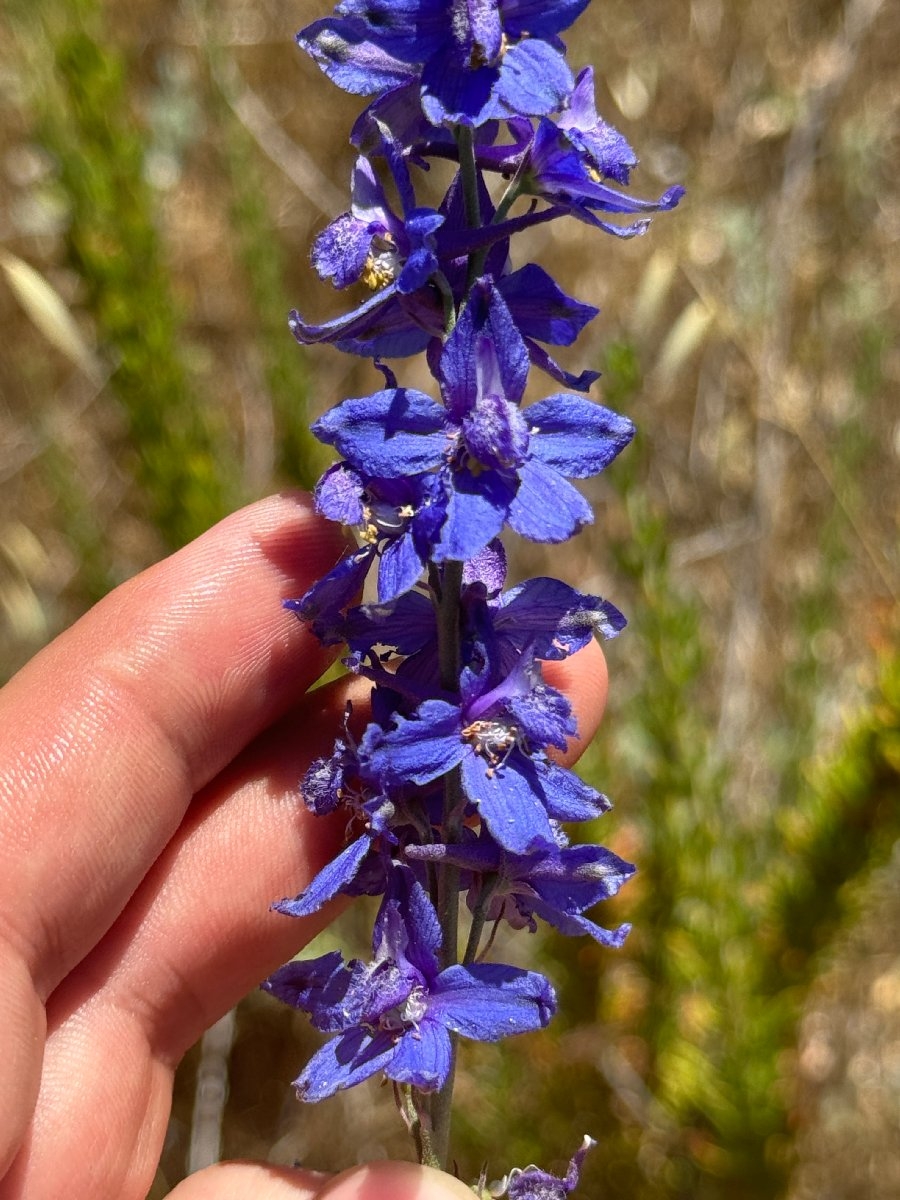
<point x="540" y="358"/>
<point x="555" y="619"/>
<point x="476" y="509"/>
<point x="344" y="1062"/>
<point x="547" y="508"/>
<point x="417" y="749"/>
<point x="534" y="79"/>
<point x="508" y="804"/>
<point x="339" y="252"/>
<point x="541" y="309"/>
<point x="539" y="18"/>
<point x="300" y="983"/>
<point x="392" y="433"/>
<point x="490" y="1001"/>
<point x="484" y="354"/>
<point x="399" y="569"/>
<point x="323" y="603"/>
<point x="576" y="436"/>
<point x="333" y="878"/>
<point x="344" y="50"/>
<point x="339" y="495"/>
<point x="456" y="94"/>
<point x="567" y="797"/>
<point x="423" y="1056"/>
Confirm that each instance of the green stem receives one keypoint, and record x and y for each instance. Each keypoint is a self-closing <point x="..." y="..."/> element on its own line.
<point x="417" y="1124"/>
<point x="465" y="140"/>
<point x="448" y="877"/>
<point x="475" y="931"/>
<point x="507" y="200"/>
<point x="439" y="279"/>
<point x="442" y="1112"/>
<point x="478" y="919"/>
<point x="448" y="610"/>
<point x="468" y="170"/>
<point x="449" y="658"/>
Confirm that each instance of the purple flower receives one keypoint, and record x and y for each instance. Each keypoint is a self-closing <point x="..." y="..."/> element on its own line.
<point x="397" y="519"/>
<point x="557" y="884"/>
<point x="398" y="258"/>
<point x="396" y="1013"/>
<point x="370" y="243"/>
<point x="496" y="462"/>
<point x="363" y="867"/>
<point x="544" y="616"/>
<point x="453" y="785"/>
<point x="472" y="60"/>
<point x="557" y="620"/>
<point x="566" y="162"/>
<point x="542" y="312"/>
<point x="323" y="605"/>
<point x="566" y="165"/>
<point x="534" y="1184"/>
<point x="607" y="151"/>
<point x="496" y="734"/>
<point x="400" y="111"/>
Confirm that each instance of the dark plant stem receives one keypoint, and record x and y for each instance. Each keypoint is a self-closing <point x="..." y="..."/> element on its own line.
<point x="442" y="1112"/>
<point x="475" y="931"/>
<point x="465" y="140"/>
<point x="447" y="900"/>
<point x="468" y="170"/>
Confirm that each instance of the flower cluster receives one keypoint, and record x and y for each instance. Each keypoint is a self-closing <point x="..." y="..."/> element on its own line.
<point x="451" y="788"/>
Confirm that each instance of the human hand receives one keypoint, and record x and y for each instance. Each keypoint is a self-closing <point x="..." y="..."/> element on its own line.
<point x="149" y="815"/>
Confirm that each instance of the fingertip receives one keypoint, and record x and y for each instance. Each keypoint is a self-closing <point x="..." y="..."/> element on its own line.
<point x="394" y="1181"/>
<point x="584" y="679"/>
<point x="373" y="1181"/>
<point x="250" y="1181"/>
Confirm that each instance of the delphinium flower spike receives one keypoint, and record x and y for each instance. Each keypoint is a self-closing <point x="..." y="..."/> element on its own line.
<point x="451" y="792"/>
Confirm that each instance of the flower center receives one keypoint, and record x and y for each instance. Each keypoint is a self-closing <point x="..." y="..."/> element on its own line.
<point x="399" y="1018"/>
<point x="382" y="264"/>
<point x="493" y="741"/>
<point x="494" y="434"/>
<point x="383" y="520"/>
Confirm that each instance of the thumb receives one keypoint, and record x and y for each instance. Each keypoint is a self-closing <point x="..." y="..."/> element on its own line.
<point x="374" y="1181"/>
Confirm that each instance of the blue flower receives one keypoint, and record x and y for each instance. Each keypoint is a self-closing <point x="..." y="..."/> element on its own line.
<point x="534" y="1184"/>
<point x="323" y="605"/>
<point x="396" y="1013"/>
<point x="557" y="884"/>
<point x="370" y="242"/>
<point x="555" y="619"/>
<point x="566" y="164"/>
<point x="607" y="151"/>
<point x="398" y="520"/>
<point x="400" y="111"/>
<point x="496" y="733"/>
<point x="406" y="313"/>
<point x="544" y="616"/>
<point x="497" y="463"/>
<point x="472" y="60"/>
<point x="363" y="867"/>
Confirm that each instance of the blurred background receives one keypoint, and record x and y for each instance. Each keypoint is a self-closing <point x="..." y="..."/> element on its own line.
<point x="164" y="165"/>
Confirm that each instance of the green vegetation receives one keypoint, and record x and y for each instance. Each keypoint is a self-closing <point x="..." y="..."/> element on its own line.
<point x="177" y="448"/>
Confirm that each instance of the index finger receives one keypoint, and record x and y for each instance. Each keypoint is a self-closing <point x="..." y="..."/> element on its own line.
<point x="112" y="729"/>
